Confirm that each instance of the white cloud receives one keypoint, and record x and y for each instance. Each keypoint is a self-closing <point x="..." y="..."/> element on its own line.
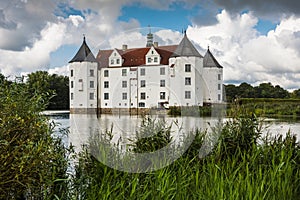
<point x="248" y="56"/>
<point x="36" y="57"/>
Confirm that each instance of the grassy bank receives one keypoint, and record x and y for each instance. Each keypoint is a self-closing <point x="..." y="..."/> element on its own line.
<point x="270" y="107"/>
<point x="242" y="165"/>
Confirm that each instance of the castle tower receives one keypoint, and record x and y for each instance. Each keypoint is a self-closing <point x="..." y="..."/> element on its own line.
<point x="83" y="70"/>
<point x="213" y="76"/>
<point x="186" y="80"/>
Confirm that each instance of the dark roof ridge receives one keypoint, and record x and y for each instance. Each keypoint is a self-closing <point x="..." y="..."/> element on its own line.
<point x="84" y="54"/>
<point x="186" y="48"/>
<point x="210" y="61"/>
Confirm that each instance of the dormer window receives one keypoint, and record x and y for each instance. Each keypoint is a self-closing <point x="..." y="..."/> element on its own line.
<point x="115" y="59"/>
<point x="152" y="57"/>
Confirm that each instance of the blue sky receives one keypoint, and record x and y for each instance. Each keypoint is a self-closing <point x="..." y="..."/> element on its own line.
<point x="255" y="41"/>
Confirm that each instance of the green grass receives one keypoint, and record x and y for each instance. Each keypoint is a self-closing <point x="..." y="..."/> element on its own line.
<point x="238" y="168"/>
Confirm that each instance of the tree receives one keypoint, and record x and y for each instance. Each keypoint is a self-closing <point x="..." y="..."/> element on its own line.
<point x="55" y="86"/>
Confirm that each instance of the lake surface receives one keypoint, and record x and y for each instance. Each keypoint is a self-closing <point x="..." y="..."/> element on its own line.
<point x="124" y="127"/>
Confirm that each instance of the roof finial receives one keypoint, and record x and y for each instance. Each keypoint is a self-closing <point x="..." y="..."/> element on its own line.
<point x="149" y="28"/>
<point x="83" y="37"/>
<point x="208" y="47"/>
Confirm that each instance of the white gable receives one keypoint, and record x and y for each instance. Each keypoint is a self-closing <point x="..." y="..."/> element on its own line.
<point x="115" y="59"/>
<point x="152" y="57"/>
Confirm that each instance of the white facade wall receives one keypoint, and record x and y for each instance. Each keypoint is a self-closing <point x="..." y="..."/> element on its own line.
<point x="82" y="95"/>
<point x="213" y="78"/>
<point x="178" y="85"/>
<point x="141" y="85"/>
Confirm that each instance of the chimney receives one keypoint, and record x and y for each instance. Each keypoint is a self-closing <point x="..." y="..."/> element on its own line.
<point x="155" y="44"/>
<point x="124" y="47"/>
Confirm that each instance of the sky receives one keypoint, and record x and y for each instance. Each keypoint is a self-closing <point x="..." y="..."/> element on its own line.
<point x="255" y="41"/>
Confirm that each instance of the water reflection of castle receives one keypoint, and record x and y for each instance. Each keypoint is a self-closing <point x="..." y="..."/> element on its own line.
<point x="152" y="76"/>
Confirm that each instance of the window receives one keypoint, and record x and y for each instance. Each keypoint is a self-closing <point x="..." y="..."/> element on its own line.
<point x="155" y="59"/>
<point x="91" y="72"/>
<point x="105" y="73"/>
<point x="106" y="96"/>
<point x="92" y="85"/>
<point x="72" y="84"/>
<point x="143" y="71"/>
<point x="187" y="67"/>
<point x="118" y="61"/>
<point x="143" y="83"/>
<point x="106" y="84"/>
<point x="219" y="86"/>
<point x="149" y="60"/>
<point x="141" y="104"/>
<point x="219" y="97"/>
<point x="124" y="84"/>
<point x="187" y="94"/>
<point x="112" y="61"/>
<point x="124" y="96"/>
<point x="91" y="96"/>
<point x="143" y="95"/>
<point x="72" y="96"/>
<point x="162" y="83"/>
<point x="219" y="77"/>
<point x="72" y="73"/>
<point x="80" y="85"/>
<point x="187" y="80"/>
<point x="162" y="71"/>
<point x="162" y="95"/>
<point x="124" y="72"/>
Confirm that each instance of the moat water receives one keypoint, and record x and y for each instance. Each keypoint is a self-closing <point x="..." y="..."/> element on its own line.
<point x="124" y="128"/>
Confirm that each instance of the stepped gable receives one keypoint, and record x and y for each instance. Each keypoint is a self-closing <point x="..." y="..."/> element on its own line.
<point x="210" y="61"/>
<point x="136" y="56"/>
<point x="186" y="48"/>
<point x="84" y="54"/>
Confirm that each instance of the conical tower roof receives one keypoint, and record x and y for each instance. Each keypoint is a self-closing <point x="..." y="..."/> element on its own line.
<point x="210" y="61"/>
<point x="84" y="54"/>
<point x="186" y="48"/>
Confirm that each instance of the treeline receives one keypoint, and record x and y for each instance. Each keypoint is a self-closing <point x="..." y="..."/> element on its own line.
<point x="264" y="90"/>
<point x="56" y="87"/>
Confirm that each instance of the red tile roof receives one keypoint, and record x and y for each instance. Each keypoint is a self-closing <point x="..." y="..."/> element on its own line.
<point x="136" y="56"/>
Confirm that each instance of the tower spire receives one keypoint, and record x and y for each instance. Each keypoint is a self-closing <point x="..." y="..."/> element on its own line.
<point x="149" y="38"/>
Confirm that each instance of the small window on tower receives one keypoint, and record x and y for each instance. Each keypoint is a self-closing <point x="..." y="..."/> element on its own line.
<point x="106" y="84"/>
<point x="92" y="84"/>
<point x="72" y="96"/>
<point x="143" y="71"/>
<point x="80" y="85"/>
<point x="91" y="72"/>
<point x="187" y="67"/>
<point x="72" y="73"/>
<point x="187" y="80"/>
<point x="72" y="84"/>
<point x="143" y="95"/>
<point x="124" y="84"/>
<point x="91" y="96"/>
<point x="105" y="73"/>
<point x="162" y="71"/>
<point x="124" y="72"/>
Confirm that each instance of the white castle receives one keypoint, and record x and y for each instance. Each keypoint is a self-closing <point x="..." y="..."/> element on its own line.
<point x="131" y="80"/>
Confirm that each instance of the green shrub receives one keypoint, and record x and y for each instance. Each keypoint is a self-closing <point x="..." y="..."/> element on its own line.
<point x="33" y="162"/>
